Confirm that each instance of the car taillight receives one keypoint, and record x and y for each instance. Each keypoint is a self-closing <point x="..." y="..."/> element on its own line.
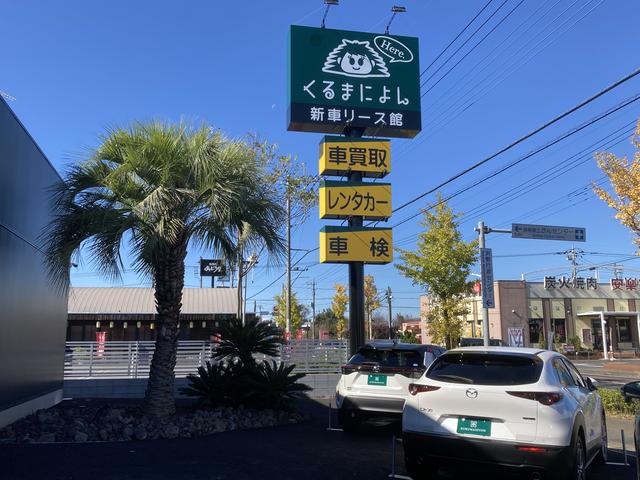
<point x="347" y="369"/>
<point x="415" y="388"/>
<point x="532" y="449"/>
<point x="545" y="398"/>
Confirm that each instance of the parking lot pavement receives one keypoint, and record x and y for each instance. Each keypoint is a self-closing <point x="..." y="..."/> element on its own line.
<point x="610" y="374"/>
<point x="306" y="451"/>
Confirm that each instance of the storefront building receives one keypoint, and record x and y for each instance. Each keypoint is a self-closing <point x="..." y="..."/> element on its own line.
<point x="129" y="314"/>
<point x="559" y="309"/>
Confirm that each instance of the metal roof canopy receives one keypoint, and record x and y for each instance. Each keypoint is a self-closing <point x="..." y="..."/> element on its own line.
<point x="135" y="300"/>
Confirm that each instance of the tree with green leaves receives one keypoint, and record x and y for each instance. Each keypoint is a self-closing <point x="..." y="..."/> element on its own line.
<point x="326" y="319"/>
<point x="442" y="265"/>
<point x="339" y="308"/>
<point x="162" y="188"/>
<point x="371" y="300"/>
<point x="408" y="336"/>
<point x="299" y="312"/>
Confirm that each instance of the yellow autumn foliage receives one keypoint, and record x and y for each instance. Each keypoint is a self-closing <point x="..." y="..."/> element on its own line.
<point x="624" y="175"/>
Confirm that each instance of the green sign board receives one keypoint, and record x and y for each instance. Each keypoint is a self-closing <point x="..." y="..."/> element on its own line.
<point x="340" y="79"/>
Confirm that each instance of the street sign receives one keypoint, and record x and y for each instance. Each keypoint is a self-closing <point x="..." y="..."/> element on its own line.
<point x="548" y="232"/>
<point x="340" y="156"/>
<point x="359" y="244"/>
<point x="212" y="268"/>
<point x="372" y="201"/>
<point x="340" y="79"/>
<point x="486" y="267"/>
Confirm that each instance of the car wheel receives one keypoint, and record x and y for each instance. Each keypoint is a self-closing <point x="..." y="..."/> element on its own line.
<point x="603" y="454"/>
<point x="578" y="469"/>
<point x="417" y="469"/>
<point x="349" y="420"/>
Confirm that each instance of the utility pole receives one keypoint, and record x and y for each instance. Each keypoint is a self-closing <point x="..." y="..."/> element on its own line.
<point x="485" y="311"/>
<point x="389" y="298"/>
<point x="288" y="291"/>
<point x="240" y="315"/>
<point x="313" y="309"/>
<point x="572" y="256"/>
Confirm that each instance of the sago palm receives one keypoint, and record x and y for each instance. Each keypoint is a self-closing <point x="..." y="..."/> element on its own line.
<point x="242" y="342"/>
<point x="162" y="189"/>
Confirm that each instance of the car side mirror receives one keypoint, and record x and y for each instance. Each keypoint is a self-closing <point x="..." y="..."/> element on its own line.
<point x="592" y="384"/>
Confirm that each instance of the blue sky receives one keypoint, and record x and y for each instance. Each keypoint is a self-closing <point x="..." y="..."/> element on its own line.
<point x="75" y="67"/>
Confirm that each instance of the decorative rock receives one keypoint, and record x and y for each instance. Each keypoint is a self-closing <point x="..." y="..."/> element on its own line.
<point x="140" y="433"/>
<point x="47" y="438"/>
<point x="82" y="423"/>
<point x="171" y="431"/>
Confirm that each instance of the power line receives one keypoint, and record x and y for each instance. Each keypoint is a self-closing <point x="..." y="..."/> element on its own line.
<point x="522" y="139"/>
<point x="520" y="160"/>
<point x="472" y="48"/>
<point x="465" y="42"/>
<point x="282" y="274"/>
<point x="456" y="37"/>
<point x="469" y="98"/>
<point x="537" y="181"/>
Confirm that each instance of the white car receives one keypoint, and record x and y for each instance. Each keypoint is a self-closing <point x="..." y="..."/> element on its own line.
<point x="376" y="379"/>
<point x="514" y="407"/>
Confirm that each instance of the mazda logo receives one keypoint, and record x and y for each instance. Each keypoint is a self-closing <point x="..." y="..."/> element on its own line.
<point x="472" y="393"/>
<point x="376" y="368"/>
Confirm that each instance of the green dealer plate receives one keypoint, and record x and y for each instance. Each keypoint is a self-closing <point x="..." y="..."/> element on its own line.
<point x="474" y="426"/>
<point x="380" y="380"/>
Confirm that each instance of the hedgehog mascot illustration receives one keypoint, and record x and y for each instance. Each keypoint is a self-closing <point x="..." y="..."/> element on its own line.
<point x="355" y="59"/>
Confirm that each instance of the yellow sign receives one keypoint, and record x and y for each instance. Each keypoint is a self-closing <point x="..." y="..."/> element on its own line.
<point x="341" y="155"/>
<point x="347" y="199"/>
<point x="359" y="244"/>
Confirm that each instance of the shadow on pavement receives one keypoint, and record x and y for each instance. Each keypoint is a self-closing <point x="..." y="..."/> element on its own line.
<point x="306" y="451"/>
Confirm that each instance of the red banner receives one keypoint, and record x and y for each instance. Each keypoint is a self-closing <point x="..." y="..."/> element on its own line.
<point x="101" y="337"/>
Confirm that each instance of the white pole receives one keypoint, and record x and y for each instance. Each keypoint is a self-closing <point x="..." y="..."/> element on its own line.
<point x="603" y="325"/>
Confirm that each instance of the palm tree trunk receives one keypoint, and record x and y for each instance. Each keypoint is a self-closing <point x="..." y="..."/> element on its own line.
<point x="169" y="282"/>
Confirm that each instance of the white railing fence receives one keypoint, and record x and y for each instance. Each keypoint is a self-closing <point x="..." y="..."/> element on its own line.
<point x="132" y="359"/>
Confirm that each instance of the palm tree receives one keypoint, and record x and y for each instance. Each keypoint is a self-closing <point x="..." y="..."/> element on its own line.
<point x="162" y="188"/>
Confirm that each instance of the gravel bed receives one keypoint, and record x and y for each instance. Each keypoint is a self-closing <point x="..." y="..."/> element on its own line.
<point x="86" y="423"/>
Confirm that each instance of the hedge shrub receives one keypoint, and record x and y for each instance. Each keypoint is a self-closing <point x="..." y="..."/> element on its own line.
<point x="614" y="403"/>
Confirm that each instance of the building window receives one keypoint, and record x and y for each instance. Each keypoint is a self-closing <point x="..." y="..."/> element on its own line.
<point x="624" y="332"/>
<point x="535" y="330"/>
<point x="558" y="326"/>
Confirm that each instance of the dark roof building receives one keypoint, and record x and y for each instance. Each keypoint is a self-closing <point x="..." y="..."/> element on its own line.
<point x="129" y="314"/>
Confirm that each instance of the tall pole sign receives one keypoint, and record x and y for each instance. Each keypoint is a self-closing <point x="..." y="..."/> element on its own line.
<point x="354" y="84"/>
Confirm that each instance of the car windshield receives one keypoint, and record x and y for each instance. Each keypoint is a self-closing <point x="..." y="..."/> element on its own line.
<point x="388" y="357"/>
<point x="486" y="369"/>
